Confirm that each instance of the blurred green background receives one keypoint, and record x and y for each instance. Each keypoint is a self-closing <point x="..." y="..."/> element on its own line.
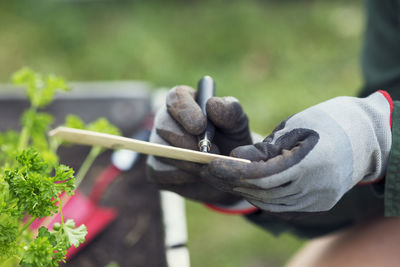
<point x="276" y="57"/>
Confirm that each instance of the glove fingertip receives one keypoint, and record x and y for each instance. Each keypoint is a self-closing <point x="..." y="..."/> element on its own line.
<point x="182" y="106"/>
<point x="225" y="112"/>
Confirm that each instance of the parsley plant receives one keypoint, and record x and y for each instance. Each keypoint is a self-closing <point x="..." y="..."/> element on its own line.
<point x="31" y="179"/>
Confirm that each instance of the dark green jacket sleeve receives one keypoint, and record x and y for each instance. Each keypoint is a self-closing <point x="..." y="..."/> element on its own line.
<point x="381" y="49"/>
<point x="392" y="180"/>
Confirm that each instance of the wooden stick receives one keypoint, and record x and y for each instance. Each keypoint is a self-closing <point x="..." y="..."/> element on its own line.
<point x="85" y="137"/>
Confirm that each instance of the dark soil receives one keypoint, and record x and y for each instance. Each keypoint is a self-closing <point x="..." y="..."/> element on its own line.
<point x="135" y="238"/>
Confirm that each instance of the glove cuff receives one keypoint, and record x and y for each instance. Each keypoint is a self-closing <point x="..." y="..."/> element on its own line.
<point x="390" y="101"/>
<point x="242" y="207"/>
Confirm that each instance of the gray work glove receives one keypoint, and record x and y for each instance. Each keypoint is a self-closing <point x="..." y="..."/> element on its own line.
<point x="312" y="158"/>
<point x="178" y="124"/>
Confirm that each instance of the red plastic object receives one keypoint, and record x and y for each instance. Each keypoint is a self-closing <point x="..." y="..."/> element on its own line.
<point x="104" y="180"/>
<point x="84" y="210"/>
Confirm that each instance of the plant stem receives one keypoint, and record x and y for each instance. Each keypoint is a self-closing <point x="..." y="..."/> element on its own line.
<point x="24" y="137"/>
<point x="54" y="144"/>
<point x="11" y="262"/>
<point x="61" y="213"/>
<point x="26" y="226"/>
<point x="87" y="163"/>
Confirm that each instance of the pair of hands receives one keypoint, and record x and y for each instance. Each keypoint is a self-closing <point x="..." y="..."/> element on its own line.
<point x="306" y="164"/>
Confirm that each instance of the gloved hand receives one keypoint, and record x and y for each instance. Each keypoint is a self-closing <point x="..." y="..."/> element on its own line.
<point x="178" y="124"/>
<point x="312" y="158"/>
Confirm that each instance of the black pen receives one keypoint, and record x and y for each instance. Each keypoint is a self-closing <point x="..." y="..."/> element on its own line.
<point x="206" y="90"/>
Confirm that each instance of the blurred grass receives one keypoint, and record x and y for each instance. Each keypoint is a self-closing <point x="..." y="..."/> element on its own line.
<point x="230" y="240"/>
<point x="276" y="57"/>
